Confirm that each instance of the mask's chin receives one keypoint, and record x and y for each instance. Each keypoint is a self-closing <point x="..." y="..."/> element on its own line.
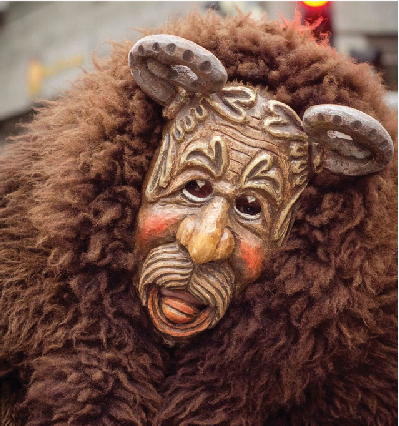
<point x="177" y="315"/>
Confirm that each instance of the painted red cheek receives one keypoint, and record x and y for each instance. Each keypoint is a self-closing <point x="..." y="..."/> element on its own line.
<point x="154" y="227"/>
<point x="253" y="257"/>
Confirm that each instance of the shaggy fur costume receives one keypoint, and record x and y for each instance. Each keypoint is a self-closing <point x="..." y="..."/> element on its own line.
<point x="312" y="342"/>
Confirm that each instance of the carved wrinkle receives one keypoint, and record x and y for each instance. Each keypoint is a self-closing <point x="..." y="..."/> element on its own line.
<point x="165" y="266"/>
<point x="170" y="266"/>
<point x="212" y="284"/>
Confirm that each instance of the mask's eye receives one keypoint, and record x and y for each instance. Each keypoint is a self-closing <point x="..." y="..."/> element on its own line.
<point x="197" y="190"/>
<point x="248" y="206"/>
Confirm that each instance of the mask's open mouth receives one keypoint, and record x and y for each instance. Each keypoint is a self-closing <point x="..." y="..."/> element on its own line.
<point x="177" y="313"/>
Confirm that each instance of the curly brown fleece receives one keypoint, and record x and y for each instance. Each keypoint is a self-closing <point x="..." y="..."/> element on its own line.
<point x="313" y="342"/>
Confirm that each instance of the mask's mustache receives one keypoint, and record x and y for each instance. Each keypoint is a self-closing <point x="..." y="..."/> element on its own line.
<point x="166" y="266"/>
<point x="170" y="266"/>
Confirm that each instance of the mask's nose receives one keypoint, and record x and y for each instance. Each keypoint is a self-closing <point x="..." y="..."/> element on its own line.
<point x="205" y="236"/>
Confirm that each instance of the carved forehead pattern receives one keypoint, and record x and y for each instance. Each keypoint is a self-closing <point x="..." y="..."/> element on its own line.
<point x="229" y="132"/>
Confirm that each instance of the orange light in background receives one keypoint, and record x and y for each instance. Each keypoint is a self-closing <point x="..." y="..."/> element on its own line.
<point x="315" y="3"/>
<point x="35" y="77"/>
<point x="37" y="72"/>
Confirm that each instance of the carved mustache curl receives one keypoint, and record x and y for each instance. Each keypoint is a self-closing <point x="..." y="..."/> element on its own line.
<point x="169" y="266"/>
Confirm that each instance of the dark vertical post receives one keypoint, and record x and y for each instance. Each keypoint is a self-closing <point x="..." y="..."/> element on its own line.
<point x="313" y="10"/>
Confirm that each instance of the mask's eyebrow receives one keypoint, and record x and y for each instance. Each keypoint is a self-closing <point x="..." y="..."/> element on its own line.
<point x="262" y="173"/>
<point x="212" y="156"/>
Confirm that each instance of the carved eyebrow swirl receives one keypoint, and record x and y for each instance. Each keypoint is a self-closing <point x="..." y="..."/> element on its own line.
<point x="212" y="156"/>
<point x="232" y="102"/>
<point x="260" y="174"/>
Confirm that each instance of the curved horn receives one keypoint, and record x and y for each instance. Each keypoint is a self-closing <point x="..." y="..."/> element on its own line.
<point x="353" y="142"/>
<point x="159" y="63"/>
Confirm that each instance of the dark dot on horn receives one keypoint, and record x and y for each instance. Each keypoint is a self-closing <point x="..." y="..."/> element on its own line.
<point x="337" y="119"/>
<point x="188" y="56"/>
<point x="170" y="48"/>
<point x="372" y="134"/>
<point x="356" y="124"/>
<point x="320" y="117"/>
<point x="141" y="49"/>
<point x="155" y="47"/>
<point x="205" y="66"/>
<point x="173" y="74"/>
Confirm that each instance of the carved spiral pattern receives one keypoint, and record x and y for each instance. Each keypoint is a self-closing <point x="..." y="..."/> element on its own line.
<point x="213" y="285"/>
<point x="165" y="266"/>
<point x="170" y="266"/>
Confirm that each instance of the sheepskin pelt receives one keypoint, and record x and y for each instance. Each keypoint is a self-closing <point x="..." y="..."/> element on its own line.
<point x="312" y="342"/>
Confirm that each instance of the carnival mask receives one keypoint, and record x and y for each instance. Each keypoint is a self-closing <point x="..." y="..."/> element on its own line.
<point x="223" y="188"/>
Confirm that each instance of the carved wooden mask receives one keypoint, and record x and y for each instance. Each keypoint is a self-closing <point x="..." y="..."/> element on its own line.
<point x="223" y="189"/>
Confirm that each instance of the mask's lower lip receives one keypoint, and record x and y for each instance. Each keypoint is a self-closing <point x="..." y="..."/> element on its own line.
<point x="180" y="304"/>
<point x="177" y="313"/>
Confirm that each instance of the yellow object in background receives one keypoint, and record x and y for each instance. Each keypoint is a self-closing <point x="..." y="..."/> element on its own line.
<point x="35" y="77"/>
<point x="37" y="72"/>
<point x="315" y="3"/>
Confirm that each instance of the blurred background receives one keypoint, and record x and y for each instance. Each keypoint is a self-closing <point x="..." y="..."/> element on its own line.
<point x="44" y="45"/>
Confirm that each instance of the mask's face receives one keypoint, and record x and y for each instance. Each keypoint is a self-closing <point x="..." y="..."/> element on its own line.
<point x="218" y="198"/>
